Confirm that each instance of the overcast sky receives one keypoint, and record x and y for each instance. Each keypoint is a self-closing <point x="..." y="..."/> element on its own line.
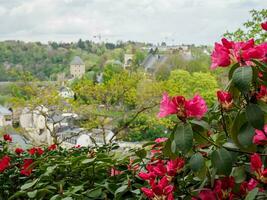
<point x="173" y="21"/>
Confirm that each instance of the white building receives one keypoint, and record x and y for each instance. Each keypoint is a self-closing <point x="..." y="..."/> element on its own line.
<point x="34" y="124"/>
<point x="79" y="136"/>
<point x="77" y="67"/>
<point x="128" y="60"/>
<point x="33" y="118"/>
<point x="5" y="116"/>
<point x="66" y="92"/>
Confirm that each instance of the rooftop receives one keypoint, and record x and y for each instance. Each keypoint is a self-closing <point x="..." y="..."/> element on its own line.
<point x="4" y="111"/>
<point x="77" y="61"/>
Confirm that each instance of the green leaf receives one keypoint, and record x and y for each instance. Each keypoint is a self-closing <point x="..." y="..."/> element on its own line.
<point x="141" y="153"/>
<point x="202" y="174"/>
<point x="137" y="191"/>
<point x="184" y="137"/>
<point x="239" y="174"/>
<point x="173" y="146"/>
<point x="221" y="160"/>
<point x="252" y="194"/>
<point x="29" y="185"/>
<point x="67" y="198"/>
<point x="230" y="145"/>
<point x="196" y="162"/>
<point x="167" y="150"/>
<point x="242" y="78"/>
<point x="239" y="120"/>
<point x="32" y="194"/>
<point x="263" y="106"/>
<point x="57" y="196"/>
<point x="89" y="160"/>
<point x="43" y="192"/>
<point x="121" y="189"/>
<point x="50" y="170"/>
<point x="245" y="135"/>
<point x="232" y="69"/>
<point x="74" y="189"/>
<point x="95" y="193"/>
<point x="255" y="116"/>
<point x="201" y="123"/>
<point x="17" y="194"/>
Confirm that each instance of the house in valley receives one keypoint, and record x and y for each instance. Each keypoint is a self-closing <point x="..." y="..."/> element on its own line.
<point x="77" y="67"/>
<point x="128" y="60"/>
<point x="5" y="116"/>
<point x="66" y="92"/>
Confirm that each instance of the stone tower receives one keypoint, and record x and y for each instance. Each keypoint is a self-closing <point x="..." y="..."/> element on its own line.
<point x="77" y="67"/>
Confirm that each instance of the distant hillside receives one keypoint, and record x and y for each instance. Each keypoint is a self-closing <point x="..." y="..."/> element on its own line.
<point x="44" y="61"/>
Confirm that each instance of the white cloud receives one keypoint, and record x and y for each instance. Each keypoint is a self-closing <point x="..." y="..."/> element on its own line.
<point x="181" y="21"/>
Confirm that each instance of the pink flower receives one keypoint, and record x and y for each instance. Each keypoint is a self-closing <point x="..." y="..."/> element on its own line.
<point x="262" y="94"/>
<point x="4" y="163"/>
<point x="52" y="147"/>
<point x="227" y="44"/>
<point x="255" y="162"/>
<point x="115" y="172"/>
<point x="257" y="168"/>
<point x="40" y="151"/>
<point x="253" y="53"/>
<point x="252" y="184"/>
<point x="175" y="166"/>
<point x="263" y="48"/>
<point x="196" y="107"/>
<point x="7" y="137"/>
<point x="159" y="140"/>
<point x="260" y="75"/>
<point x="223" y="187"/>
<point x="245" y="187"/>
<point x="225" y="99"/>
<point x="169" y="106"/>
<point x="260" y="136"/>
<point x="161" y="189"/>
<point x="264" y="26"/>
<point x="31" y="151"/>
<point x="159" y="169"/>
<point x="147" y="176"/>
<point x="148" y="192"/>
<point x="154" y="170"/>
<point x="19" y="151"/>
<point x="220" y="57"/>
<point x="239" y="49"/>
<point x="35" y="150"/>
<point x="26" y="168"/>
<point x="206" y="194"/>
<point x="242" y="52"/>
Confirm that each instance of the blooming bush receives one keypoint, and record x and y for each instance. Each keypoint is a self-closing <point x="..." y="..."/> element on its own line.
<point x="212" y="153"/>
<point x="57" y="173"/>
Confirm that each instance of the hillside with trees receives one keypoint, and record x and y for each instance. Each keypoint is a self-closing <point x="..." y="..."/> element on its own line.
<point x="45" y="61"/>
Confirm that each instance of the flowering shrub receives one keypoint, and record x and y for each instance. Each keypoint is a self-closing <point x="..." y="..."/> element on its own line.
<point x="78" y="173"/>
<point x="213" y="153"/>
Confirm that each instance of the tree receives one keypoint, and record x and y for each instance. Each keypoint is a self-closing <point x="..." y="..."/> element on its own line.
<point x="139" y="56"/>
<point x="252" y="28"/>
<point x="117" y="102"/>
<point x="183" y="83"/>
<point x="43" y="100"/>
<point x="81" y="44"/>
